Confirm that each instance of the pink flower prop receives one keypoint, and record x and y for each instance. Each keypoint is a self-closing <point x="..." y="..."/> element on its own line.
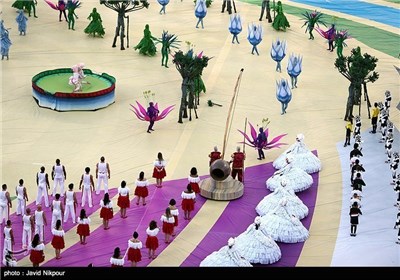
<point x="141" y="112"/>
<point x="251" y="139"/>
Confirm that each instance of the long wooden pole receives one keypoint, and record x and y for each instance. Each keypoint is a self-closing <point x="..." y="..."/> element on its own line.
<point x="230" y="113"/>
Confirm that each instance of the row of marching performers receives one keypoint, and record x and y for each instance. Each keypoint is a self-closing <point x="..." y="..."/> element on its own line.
<point x="279" y="212"/>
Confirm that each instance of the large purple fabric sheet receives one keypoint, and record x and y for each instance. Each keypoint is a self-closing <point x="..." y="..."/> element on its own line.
<point x="240" y="213"/>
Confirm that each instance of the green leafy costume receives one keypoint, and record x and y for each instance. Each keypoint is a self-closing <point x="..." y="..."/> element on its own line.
<point x="95" y="26"/>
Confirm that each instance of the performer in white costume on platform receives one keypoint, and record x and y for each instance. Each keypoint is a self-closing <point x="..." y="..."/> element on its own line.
<point x="302" y="157"/>
<point x="102" y="175"/>
<point x="227" y="256"/>
<point x="296" y="178"/>
<point x="256" y="247"/>
<point x="295" y="205"/>
<point x="282" y="226"/>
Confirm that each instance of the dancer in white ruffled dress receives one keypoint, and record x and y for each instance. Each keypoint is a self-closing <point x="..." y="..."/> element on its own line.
<point x="282" y="226"/>
<point x="302" y="157"/>
<point x="296" y="178"/>
<point x="256" y="247"/>
<point x="295" y="205"/>
<point x="227" y="256"/>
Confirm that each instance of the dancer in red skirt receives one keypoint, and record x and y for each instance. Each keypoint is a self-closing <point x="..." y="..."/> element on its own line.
<point x="123" y="199"/>
<point x="141" y="190"/>
<point x="152" y="239"/>
<point x="58" y="239"/>
<point x="106" y="212"/>
<point x="83" y="229"/>
<point x="159" y="170"/>
<point x="36" y="248"/>
<point x="168" y="224"/>
<point x="188" y="200"/>
<point x="134" y="245"/>
<point x="117" y="260"/>
<point x="194" y="180"/>
<point x="175" y="213"/>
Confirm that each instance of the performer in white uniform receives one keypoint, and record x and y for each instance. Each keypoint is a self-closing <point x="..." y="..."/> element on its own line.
<point x="57" y="209"/>
<point x="102" y="175"/>
<point x="8" y="239"/>
<point x="88" y="187"/>
<point x="59" y="176"/>
<point x="40" y="222"/>
<point x="42" y="181"/>
<point x="70" y="203"/>
<point x="27" y="228"/>
<point x="5" y="203"/>
<point x="22" y="197"/>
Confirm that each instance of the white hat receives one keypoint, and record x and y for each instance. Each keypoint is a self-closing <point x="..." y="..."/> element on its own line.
<point x="300" y="137"/>
<point x="231" y="242"/>
<point x="283" y="182"/>
<point x="257" y="220"/>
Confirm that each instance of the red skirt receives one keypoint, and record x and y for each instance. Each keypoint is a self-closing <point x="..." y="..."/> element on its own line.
<point x="123" y="201"/>
<point x="195" y="187"/>
<point x="106" y="213"/>
<point x="159" y="174"/>
<point x="83" y="230"/>
<point x="134" y="255"/>
<point x="167" y="228"/>
<point x="176" y="221"/>
<point x="36" y="257"/>
<point x="141" y="191"/>
<point x="188" y="204"/>
<point x="58" y="242"/>
<point x="152" y="242"/>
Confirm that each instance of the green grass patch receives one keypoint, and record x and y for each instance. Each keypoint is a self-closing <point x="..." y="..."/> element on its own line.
<point x="379" y="39"/>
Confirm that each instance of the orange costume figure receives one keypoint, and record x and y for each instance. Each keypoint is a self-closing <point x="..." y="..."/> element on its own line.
<point x="83" y="229"/>
<point x="168" y="224"/>
<point x="188" y="200"/>
<point x="58" y="238"/>
<point x="214" y="155"/>
<point x="134" y="245"/>
<point x="141" y="190"/>
<point x="152" y="239"/>
<point x="117" y="260"/>
<point x="194" y="180"/>
<point x="123" y="199"/>
<point x="106" y="212"/>
<point x="159" y="170"/>
<point x="238" y="164"/>
<point x="36" y="247"/>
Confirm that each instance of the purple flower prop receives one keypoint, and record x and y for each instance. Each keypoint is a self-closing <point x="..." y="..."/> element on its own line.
<point x="141" y="112"/>
<point x="251" y="139"/>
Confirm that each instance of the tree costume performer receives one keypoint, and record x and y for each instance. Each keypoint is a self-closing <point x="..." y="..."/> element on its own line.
<point x="72" y="5"/>
<point x="168" y="41"/>
<point x="31" y="5"/>
<point x="280" y="21"/>
<point x="283" y="94"/>
<point x="21" y="20"/>
<point x="163" y="4"/>
<point x="329" y="35"/>
<point x="340" y="38"/>
<point x="294" y="68"/>
<point x="255" y="36"/>
<point x="200" y="11"/>
<point x="311" y="20"/>
<point x="95" y="26"/>
<point x="278" y="52"/>
<point x="5" y="43"/>
<point x="266" y="7"/>
<point x="228" y="5"/>
<point x="235" y="27"/>
<point x="61" y="6"/>
<point x="146" y="46"/>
